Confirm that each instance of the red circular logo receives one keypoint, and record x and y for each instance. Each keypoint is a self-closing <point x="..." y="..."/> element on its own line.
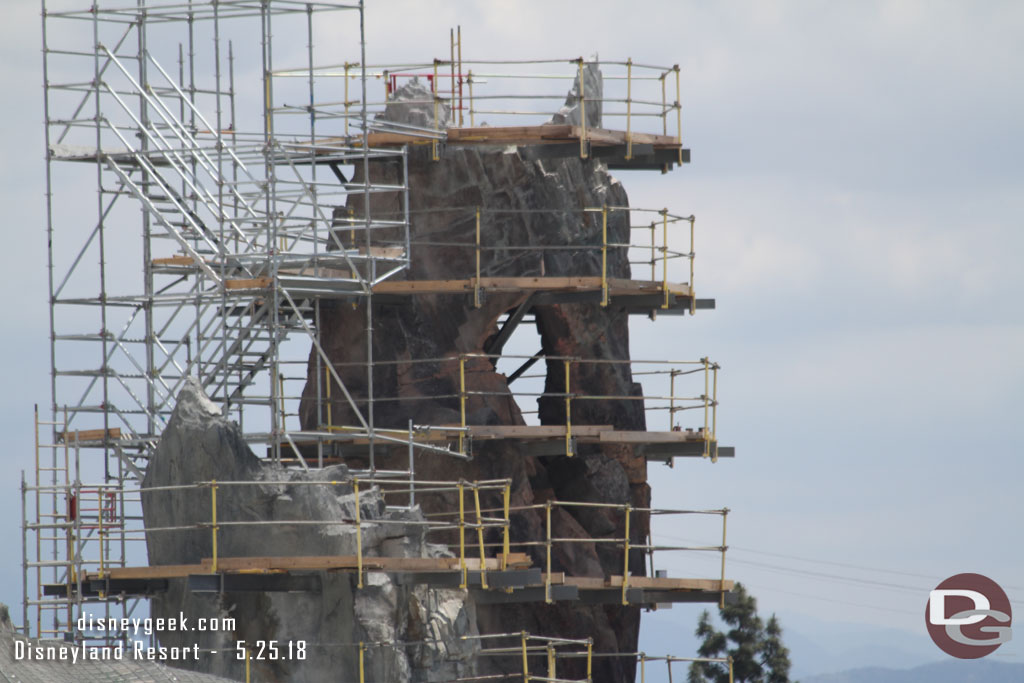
<point x="968" y="616"/>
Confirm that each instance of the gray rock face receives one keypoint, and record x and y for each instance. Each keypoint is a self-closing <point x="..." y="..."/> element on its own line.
<point x="593" y="89"/>
<point x="200" y="445"/>
<point x="413" y="105"/>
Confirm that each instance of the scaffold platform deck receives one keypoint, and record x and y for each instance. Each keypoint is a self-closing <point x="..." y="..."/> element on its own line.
<point x="492" y="584"/>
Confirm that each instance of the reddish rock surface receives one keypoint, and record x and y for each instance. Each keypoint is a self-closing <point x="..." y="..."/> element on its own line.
<point x="547" y="198"/>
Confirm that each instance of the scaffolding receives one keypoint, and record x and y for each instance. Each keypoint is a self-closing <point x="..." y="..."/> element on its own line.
<point x="210" y="246"/>
<point x="198" y="216"/>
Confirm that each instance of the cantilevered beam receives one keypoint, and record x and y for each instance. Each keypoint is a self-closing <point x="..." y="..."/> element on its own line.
<point x="525" y="366"/>
<point x="498" y="343"/>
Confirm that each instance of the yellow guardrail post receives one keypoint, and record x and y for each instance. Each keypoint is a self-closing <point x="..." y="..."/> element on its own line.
<point x="679" y="115"/>
<point x="590" y="659"/>
<point x="583" y="112"/>
<point x="359" y="535"/>
<point x="707" y="405"/>
<point x="248" y="665"/>
<point x="526" y="665"/>
<point x="730" y="669"/>
<point x="547" y="563"/>
<point x="437" y="122"/>
<point x="462" y="538"/>
<point x="629" y="108"/>
<point x="505" y="540"/>
<point x="462" y="403"/>
<point x="469" y="82"/>
<point x="714" y="410"/>
<point x="643" y="667"/>
<point x="327" y="378"/>
<point x="551" y="662"/>
<point x="625" y="559"/>
<point x="664" y="106"/>
<point x="693" y="292"/>
<point x="664" y="256"/>
<point x="352" y="229"/>
<point x="672" y="398"/>
<point x="280" y="393"/>
<point x="346" y="98"/>
<point x="99" y="507"/>
<point x="362" y="666"/>
<point x="721" y="585"/>
<point x="568" y="412"/>
<point x="460" y="78"/>
<point x="476" y="282"/>
<point x="604" y="256"/>
<point x="451" y="64"/>
<point x="654" y="247"/>
<point x="480" y="536"/>
<point x="213" y="520"/>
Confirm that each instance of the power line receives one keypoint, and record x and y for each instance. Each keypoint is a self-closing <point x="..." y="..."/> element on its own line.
<point x="844" y="565"/>
<point x="827" y="577"/>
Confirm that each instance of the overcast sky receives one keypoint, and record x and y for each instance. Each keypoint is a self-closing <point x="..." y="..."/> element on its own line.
<point x="857" y="182"/>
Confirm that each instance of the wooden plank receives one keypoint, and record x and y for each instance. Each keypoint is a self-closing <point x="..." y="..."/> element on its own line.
<point x="162" y="571"/>
<point x="83" y="435"/>
<point x="381" y="252"/>
<point x="287" y="563"/>
<point x="649" y="437"/>
<point x="177" y="260"/>
<point x="533" y="431"/>
<point x="248" y="283"/>
<point x="348" y="562"/>
<point x="616" y="286"/>
<point x="557" y="578"/>
<point x="586" y="582"/>
<point x="516" y="560"/>
<point x="607" y="136"/>
<point x="385" y="139"/>
<point x="506" y="134"/>
<point x="508" y="284"/>
<point x="547" y="133"/>
<point x="317" y="272"/>
<point x="668" y="584"/>
<point x="422" y="286"/>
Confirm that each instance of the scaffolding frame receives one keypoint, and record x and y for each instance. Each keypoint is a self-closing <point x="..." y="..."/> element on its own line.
<point x="174" y="160"/>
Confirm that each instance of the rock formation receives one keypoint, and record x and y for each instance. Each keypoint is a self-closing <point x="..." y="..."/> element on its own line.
<point x="200" y="445"/>
<point x="526" y="202"/>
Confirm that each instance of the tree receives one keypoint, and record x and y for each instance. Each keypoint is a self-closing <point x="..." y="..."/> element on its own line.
<point x="758" y="655"/>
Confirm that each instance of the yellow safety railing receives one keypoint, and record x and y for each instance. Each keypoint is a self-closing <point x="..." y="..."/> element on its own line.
<point x="583" y="110"/>
<point x="480" y="519"/>
<point x="725" y="546"/>
<point x="629" y="108"/>
<point x="604" y="256"/>
<point x="673" y="388"/>
<point x="536" y="89"/>
<point x="568" y="407"/>
<point x="213" y="521"/>
<point x="476" y="280"/>
<point x="359" y="534"/>
<point x="437" y="119"/>
<point x="485" y="255"/>
<point x="462" y="538"/>
<point x="522" y="647"/>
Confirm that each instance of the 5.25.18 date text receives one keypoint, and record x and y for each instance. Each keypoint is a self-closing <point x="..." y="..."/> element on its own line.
<point x="262" y="650"/>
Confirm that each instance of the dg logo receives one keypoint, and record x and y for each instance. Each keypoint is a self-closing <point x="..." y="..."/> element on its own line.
<point x="968" y="616"/>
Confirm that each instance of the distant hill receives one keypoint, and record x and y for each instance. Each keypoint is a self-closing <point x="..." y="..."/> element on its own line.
<point x="952" y="671"/>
